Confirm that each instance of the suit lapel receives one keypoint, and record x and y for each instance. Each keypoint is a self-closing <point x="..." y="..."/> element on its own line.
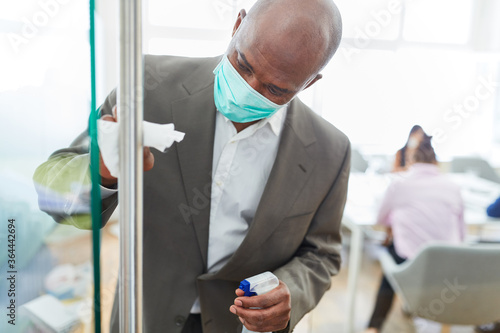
<point x="195" y="116"/>
<point x="290" y="172"/>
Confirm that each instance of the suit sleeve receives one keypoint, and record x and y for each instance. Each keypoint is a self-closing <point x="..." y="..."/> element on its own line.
<point x="308" y="274"/>
<point x="63" y="182"/>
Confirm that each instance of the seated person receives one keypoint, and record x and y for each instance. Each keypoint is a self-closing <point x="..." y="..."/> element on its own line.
<point x="421" y="207"/>
<point x="400" y="161"/>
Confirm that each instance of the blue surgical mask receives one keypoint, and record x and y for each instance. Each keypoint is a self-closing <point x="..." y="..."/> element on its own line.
<point x="236" y="99"/>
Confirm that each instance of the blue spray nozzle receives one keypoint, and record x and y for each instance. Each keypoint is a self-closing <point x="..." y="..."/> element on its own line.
<point x="245" y="286"/>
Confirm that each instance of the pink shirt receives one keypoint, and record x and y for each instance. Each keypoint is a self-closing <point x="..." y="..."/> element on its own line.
<point x="422" y="207"/>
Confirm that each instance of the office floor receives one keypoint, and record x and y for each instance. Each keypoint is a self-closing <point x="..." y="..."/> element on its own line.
<point x="329" y="315"/>
<point x="73" y="246"/>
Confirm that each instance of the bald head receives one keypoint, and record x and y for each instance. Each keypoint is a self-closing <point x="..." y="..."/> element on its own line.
<point x="281" y="45"/>
<point x="298" y="25"/>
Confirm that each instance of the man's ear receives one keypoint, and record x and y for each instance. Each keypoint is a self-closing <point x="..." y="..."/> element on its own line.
<point x="241" y="16"/>
<point x="318" y="77"/>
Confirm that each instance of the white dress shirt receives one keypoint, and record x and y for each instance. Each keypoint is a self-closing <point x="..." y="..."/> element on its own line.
<point x="241" y="166"/>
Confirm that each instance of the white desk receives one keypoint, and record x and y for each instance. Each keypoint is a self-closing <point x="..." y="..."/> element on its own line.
<point x="364" y="197"/>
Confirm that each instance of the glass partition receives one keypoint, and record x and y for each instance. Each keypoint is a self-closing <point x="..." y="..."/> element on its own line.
<point x="46" y="266"/>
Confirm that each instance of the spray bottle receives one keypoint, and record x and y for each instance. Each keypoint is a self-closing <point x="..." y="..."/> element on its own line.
<point x="258" y="285"/>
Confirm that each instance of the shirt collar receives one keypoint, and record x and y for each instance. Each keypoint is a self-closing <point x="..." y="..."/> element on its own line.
<point x="276" y="121"/>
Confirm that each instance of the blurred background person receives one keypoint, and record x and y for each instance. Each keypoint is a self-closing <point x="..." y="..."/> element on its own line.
<point x="493" y="210"/>
<point x="414" y="138"/>
<point x="421" y="207"/>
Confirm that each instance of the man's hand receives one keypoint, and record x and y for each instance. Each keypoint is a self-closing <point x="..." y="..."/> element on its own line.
<point x="106" y="178"/>
<point x="273" y="313"/>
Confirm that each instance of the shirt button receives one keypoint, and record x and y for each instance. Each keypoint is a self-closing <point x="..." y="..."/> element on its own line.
<point x="179" y="321"/>
<point x="219" y="183"/>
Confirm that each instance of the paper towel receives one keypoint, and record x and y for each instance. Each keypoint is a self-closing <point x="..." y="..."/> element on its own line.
<point x="159" y="136"/>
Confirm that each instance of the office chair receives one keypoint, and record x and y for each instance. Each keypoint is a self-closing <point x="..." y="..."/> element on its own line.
<point x="449" y="284"/>
<point x="358" y="162"/>
<point x="475" y="165"/>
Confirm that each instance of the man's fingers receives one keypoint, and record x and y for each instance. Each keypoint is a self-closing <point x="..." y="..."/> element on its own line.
<point x="275" y="296"/>
<point x="263" y="320"/>
<point x="257" y="301"/>
<point x="146" y="152"/>
<point x="239" y="292"/>
<point x="278" y="326"/>
<point x="149" y="159"/>
<point x="261" y="315"/>
<point x="108" y="117"/>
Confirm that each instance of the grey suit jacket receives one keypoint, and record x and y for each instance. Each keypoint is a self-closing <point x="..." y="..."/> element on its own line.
<point x="295" y="232"/>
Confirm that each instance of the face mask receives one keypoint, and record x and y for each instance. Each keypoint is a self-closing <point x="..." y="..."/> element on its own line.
<point x="236" y="99"/>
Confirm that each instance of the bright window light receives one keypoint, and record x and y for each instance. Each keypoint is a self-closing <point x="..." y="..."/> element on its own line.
<point x="376" y="98"/>
<point x="374" y="19"/>
<point x="187" y="47"/>
<point x="199" y="14"/>
<point x="443" y="21"/>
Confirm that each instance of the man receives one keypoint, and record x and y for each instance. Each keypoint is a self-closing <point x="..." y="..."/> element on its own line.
<point x="258" y="183"/>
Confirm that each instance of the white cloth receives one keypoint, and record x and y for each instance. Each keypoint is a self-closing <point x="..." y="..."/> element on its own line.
<point x="159" y="136"/>
<point x="241" y="166"/>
